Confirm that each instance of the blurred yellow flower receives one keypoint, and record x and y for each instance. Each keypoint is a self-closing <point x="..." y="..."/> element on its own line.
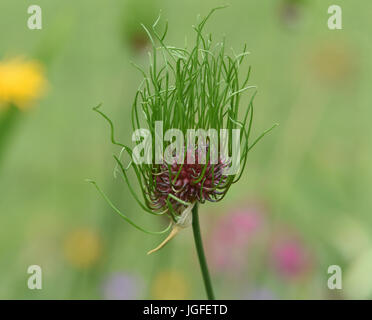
<point x="333" y="62"/>
<point x="82" y="248"/>
<point x="170" y="285"/>
<point x="21" y="82"/>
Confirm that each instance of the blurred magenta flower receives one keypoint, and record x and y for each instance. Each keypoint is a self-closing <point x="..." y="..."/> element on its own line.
<point x="290" y="257"/>
<point x="122" y="286"/>
<point x="231" y="235"/>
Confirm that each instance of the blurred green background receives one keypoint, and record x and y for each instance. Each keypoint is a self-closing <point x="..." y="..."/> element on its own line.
<point x="302" y="205"/>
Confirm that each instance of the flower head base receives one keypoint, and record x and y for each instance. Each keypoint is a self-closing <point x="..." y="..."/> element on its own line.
<point x="21" y="82"/>
<point x="187" y="182"/>
<point x="196" y="90"/>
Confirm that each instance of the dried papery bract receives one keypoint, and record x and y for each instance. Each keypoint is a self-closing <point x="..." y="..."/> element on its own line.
<point x="187" y="89"/>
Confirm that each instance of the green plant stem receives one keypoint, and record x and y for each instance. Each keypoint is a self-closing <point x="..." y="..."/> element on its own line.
<point x="7" y="122"/>
<point x="201" y="255"/>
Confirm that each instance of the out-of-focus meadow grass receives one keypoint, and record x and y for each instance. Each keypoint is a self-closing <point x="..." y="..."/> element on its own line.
<point x="302" y="205"/>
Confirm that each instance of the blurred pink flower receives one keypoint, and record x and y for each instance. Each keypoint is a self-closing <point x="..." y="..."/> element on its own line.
<point x="230" y="236"/>
<point x="289" y="257"/>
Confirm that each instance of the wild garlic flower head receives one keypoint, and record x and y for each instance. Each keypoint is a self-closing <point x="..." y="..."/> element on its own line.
<point x="188" y="100"/>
